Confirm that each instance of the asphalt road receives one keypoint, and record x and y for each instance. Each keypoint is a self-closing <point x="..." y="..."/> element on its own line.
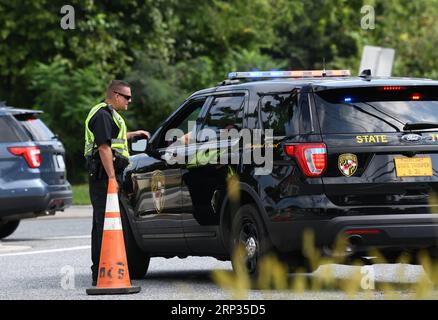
<point x="49" y="258"/>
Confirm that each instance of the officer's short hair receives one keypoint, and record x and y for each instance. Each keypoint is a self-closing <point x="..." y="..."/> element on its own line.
<point x="115" y="85"/>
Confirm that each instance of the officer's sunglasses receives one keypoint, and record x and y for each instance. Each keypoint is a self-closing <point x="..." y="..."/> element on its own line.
<point x="123" y="95"/>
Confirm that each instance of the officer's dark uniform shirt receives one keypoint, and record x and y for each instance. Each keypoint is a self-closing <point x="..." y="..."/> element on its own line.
<point x="103" y="127"/>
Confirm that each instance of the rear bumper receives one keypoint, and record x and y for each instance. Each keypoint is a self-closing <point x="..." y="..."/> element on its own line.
<point x="34" y="200"/>
<point x="373" y="231"/>
<point x="392" y="231"/>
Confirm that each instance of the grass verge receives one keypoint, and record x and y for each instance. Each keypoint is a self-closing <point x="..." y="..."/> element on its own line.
<point x="81" y="195"/>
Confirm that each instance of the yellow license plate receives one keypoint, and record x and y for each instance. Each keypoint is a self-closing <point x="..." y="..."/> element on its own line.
<point x="413" y="167"/>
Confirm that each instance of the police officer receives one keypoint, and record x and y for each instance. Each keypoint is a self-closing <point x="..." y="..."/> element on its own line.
<point x="107" y="155"/>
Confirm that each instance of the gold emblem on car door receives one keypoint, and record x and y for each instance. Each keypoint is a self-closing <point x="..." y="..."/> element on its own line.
<point x="347" y="164"/>
<point x="158" y="188"/>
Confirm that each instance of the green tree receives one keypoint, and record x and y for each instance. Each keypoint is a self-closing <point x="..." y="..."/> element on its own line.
<point x="66" y="95"/>
<point x="318" y="30"/>
<point x="64" y="72"/>
<point x="107" y="34"/>
<point x="411" y="28"/>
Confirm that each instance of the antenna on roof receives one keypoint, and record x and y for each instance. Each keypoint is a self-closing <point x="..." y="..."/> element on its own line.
<point x="366" y="74"/>
<point x="323" y="67"/>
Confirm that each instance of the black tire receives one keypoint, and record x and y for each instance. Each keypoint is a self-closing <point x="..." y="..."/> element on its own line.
<point x="8" y="227"/>
<point x="248" y="230"/>
<point x="138" y="261"/>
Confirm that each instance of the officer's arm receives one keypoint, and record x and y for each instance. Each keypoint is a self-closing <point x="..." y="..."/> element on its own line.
<point x="106" y="156"/>
<point x="143" y="133"/>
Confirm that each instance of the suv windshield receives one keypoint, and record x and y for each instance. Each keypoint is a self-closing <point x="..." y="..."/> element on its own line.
<point x="376" y="109"/>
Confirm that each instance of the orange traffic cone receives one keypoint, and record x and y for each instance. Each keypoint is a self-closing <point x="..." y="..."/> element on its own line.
<point x="113" y="275"/>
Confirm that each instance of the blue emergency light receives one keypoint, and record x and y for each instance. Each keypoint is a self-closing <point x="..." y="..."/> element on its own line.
<point x="288" y="74"/>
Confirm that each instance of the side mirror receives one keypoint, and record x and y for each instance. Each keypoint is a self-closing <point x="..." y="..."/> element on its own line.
<point x="139" y="146"/>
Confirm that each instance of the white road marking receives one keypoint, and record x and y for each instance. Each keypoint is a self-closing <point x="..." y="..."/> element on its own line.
<point x="4" y="248"/>
<point x="67" y="237"/>
<point x="45" y="251"/>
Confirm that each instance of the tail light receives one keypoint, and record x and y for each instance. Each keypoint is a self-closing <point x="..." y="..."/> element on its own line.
<point x="32" y="155"/>
<point x="416" y="97"/>
<point x="312" y="157"/>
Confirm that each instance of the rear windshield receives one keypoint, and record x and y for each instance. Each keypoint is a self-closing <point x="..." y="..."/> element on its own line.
<point x="37" y="130"/>
<point x="10" y="130"/>
<point x="376" y="109"/>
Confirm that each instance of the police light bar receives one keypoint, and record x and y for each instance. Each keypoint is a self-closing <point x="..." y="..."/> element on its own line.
<point x="289" y="74"/>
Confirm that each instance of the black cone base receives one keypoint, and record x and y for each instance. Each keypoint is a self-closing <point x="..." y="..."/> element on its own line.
<point x="103" y="291"/>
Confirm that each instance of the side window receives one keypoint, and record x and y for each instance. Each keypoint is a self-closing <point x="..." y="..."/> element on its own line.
<point x="10" y="131"/>
<point x="189" y="122"/>
<point x="226" y="112"/>
<point x="280" y="112"/>
<point x="184" y="121"/>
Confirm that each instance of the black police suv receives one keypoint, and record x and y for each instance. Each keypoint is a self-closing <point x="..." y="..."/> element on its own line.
<point x="33" y="179"/>
<point x="330" y="153"/>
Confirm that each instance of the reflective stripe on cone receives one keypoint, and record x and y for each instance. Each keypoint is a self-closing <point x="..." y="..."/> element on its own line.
<point x="112" y="224"/>
<point x="112" y="203"/>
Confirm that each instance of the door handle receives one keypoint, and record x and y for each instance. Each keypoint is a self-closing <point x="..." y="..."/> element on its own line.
<point x="168" y="152"/>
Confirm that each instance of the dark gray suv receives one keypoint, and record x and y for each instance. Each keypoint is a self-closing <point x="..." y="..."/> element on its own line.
<point x="32" y="170"/>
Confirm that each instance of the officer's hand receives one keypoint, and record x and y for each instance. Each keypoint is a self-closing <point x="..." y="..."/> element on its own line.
<point x="143" y="134"/>
<point x="113" y="181"/>
<point x="186" y="138"/>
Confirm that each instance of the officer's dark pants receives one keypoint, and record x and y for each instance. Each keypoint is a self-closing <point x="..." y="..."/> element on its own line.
<point x="98" y="193"/>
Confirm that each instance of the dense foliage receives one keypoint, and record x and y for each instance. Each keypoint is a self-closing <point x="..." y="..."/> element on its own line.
<point x="168" y="49"/>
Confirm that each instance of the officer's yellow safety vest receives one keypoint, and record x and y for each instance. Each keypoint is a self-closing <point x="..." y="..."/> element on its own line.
<point x="118" y="145"/>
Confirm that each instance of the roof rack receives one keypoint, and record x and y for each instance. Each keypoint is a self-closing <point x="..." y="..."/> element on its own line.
<point x="288" y="74"/>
